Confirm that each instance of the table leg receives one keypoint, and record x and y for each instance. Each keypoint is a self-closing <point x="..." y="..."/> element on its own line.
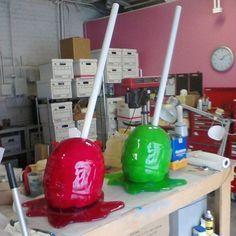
<point x="222" y="205"/>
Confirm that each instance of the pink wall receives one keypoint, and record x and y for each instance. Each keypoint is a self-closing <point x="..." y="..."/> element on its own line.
<point x="199" y="33"/>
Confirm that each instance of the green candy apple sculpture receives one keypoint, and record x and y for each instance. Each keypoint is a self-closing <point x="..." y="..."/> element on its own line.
<point x="147" y="151"/>
<point x="146" y="154"/>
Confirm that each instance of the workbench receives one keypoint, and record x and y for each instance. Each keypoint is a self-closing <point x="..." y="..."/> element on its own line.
<point x="145" y="208"/>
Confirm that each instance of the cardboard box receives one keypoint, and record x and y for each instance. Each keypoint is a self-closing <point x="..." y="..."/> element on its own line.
<point x="75" y="48"/>
<point x="41" y="151"/>
<point x="54" y="89"/>
<point x="55" y="112"/>
<point x="190" y="99"/>
<point x="57" y="69"/>
<point x="12" y="144"/>
<point x="5" y="193"/>
<point x="82" y="87"/>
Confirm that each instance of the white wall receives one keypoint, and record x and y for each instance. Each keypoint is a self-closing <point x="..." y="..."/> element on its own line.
<point x="28" y="38"/>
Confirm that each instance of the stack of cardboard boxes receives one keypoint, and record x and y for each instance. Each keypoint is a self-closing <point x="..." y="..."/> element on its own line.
<point x="62" y="80"/>
<point x="54" y="88"/>
<point x="82" y="86"/>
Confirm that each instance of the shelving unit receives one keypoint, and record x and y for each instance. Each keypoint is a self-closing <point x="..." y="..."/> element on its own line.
<point x="121" y="63"/>
<point x="17" y="143"/>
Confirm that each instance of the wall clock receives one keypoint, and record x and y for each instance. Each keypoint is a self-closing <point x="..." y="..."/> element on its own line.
<point x="222" y="59"/>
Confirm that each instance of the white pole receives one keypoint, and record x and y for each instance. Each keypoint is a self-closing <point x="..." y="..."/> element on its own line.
<point x="99" y="74"/>
<point x="214" y="4"/>
<point x="166" y="67"/>
<point x="20" y="212"/>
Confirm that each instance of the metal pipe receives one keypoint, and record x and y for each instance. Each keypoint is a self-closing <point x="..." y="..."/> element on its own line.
<point x="11" y="38"/>
<point x="2" y="69"/>
<point x="206" y="114"/>
<point x="62" y="19"/>
<point x="142" y="3"/>
<point x="84" y="4"/>
<point x="144" y="115"/>
<point x="58" y="28"/>
<point x="221" y="150"/>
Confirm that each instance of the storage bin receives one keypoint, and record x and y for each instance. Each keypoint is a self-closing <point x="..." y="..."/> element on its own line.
<point x="61" y="69"/>
<point x="130" y="72"/>
<point x="93" y="128"/>
<point x="113" y="74"/>
<point x="85" y="67"/>
<point x="56" y="132"/>
<point x="82" y="87"/>
<point x="12" y="144"/>
<point x="56" y="112"/>
<point x="54" y="89"/>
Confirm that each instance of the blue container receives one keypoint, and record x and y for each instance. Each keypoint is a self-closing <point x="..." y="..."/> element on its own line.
<point x="179" y="148"/>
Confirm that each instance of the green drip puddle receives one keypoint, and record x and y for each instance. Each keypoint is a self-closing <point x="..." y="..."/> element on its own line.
<point x="118" y="179"/>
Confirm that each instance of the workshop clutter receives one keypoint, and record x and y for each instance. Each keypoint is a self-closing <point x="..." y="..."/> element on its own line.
<point x="113" y="151"/>
<point x="106" y="114"/>
<point x="55" y="79"/>
<point x="33" y="178"/>
<point x="60" y="81"/>
<point x="128" y="116"/>
<point x="191" y="82"/>
<point x="54" y="85"/>
<point x="84" y="76"/>
<point x="206" y="226"/>
<point x="82" y="87"/>
<point x="121" y="63"/>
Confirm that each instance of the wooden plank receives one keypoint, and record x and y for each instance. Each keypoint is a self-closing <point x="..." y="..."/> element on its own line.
<point x="223" y="205"/>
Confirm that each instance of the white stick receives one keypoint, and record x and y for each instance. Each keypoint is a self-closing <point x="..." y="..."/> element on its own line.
<point x="101" y="66"/>
<point x="166" y="67"/>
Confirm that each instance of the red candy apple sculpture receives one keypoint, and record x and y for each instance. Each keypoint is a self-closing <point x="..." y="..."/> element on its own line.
<point x="74" y="174"/>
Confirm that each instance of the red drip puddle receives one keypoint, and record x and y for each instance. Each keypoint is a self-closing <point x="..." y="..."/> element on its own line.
<point x="61" y="217"/>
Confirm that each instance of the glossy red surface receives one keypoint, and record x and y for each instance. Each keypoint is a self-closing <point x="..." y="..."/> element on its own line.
<point x="26" y="171"/>
<point x="61" y="217"/>
<point x="74" y="174"/>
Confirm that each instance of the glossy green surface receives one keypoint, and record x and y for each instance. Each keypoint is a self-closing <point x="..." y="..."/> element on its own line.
<point x="146" y="155"/>
<point x="118" y="179"/>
